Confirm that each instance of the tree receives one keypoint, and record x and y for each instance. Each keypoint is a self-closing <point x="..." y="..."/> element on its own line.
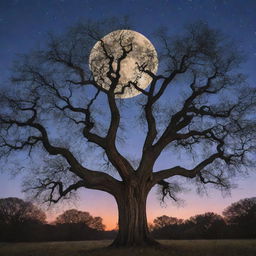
<point x="15" y="211"/>
<point x="242" y="211"/>
<point x="75" y="216"/>
<point x="19" y="219"/>
<point x="241" y="216"/>
<point x="207" y="225"/>
<point x="55" y="110"/>
<point x="202" y="226"/>
<point x="166" y="227"/>
<point x="164" y="221"/>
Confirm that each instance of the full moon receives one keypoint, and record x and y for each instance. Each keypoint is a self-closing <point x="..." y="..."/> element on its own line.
<point x="140" y="52"/>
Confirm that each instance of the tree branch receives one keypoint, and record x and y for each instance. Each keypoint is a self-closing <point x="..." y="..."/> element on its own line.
<point x="92" y="179"/>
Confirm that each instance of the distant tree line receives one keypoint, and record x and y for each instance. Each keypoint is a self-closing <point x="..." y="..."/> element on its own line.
<point x="23" y="221"/>
<point x="238" y="221"/>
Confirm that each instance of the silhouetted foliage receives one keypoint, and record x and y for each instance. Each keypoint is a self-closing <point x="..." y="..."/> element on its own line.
<point x="239" y="221"/>
<point x="74" y="216"/>
<point x="163" y="221"/>
<point x="19" y="219"/>
<point x="22" y="221"/>
<point x="74" y="225"/>
<point x="241" y="218"/>
<point x="208" y="225"/>
<point x="14" y="211"/>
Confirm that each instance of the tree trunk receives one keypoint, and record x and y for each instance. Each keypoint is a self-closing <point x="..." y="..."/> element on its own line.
<point x="133" y="228"/>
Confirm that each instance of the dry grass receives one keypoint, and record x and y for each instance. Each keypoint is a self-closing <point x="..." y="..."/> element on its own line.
<point x="98" y="248"/>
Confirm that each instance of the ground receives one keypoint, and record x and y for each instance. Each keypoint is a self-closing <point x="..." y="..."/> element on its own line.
<point x="97" y="248"/>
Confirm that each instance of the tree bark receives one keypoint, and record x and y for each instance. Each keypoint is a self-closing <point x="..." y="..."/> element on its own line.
<point x="133" y="227"/>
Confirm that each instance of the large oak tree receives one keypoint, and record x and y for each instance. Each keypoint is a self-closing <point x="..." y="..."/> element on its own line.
<point x="198" y="103"/>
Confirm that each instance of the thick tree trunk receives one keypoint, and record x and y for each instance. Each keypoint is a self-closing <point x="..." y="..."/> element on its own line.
<point x="133" y="228"/>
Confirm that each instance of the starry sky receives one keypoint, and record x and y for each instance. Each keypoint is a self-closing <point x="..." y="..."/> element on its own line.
<point x="25" y="23"/>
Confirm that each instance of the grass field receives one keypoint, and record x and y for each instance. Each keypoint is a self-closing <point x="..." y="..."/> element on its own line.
<point x="97" y="248"/>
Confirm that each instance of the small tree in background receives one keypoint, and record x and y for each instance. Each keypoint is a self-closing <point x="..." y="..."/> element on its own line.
<point x="74" y="216"/>
<point x="241" y="216"/>
<point x="20" y="220"/>
<point x="207" y="225"/>
<point x="15" y="211"/>
<point x="163" y="221"/>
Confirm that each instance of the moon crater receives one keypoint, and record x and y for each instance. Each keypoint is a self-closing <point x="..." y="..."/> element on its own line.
<point x="140" y="51"/>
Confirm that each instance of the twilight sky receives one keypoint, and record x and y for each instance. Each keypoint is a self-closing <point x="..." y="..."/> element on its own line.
<point x="25" y="23"/>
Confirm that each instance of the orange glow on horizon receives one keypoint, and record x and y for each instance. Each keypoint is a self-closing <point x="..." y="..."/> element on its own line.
<point x="103" y="205"/>
<point x="182" y="213"/>
<point x="111" y="223"/>
<point x="108" y="222"/>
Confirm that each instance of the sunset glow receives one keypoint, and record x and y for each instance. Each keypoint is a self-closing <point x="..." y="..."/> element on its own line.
<point x="103" y="205"/>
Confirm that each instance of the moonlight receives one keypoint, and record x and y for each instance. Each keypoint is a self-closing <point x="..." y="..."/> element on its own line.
<point x="140" y="52"/>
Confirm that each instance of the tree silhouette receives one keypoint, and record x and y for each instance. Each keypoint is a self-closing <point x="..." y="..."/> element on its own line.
<point x="15" y="211"/>
<point x="242" y="211"/>
<point x="207" y="225"/>
<point x="199" y="103"/>
<point x="241" y="216"/>
<point x="164" y="221"/>
<point x="202" y="226"/>
<point x="18" y="219"/>
<point x="74" y="216"/>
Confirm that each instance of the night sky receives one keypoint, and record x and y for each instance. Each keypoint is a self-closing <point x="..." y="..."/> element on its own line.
<point x="24" y="25"/>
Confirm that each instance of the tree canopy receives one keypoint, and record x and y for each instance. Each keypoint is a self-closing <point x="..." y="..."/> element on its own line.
<point x="15" y="211"/>
<point x="242" y="211"/>
<point x="164" y="221"/>
<point x="76" y="216"/>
